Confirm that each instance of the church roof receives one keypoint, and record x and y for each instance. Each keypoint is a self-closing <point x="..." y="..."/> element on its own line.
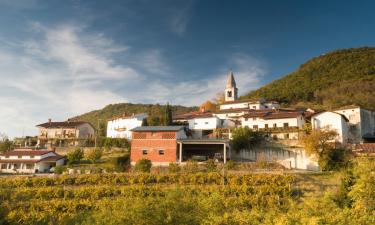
<point x="231" y="82"/>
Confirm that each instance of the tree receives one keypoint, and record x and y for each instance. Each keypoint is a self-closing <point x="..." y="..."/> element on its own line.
<point x="95" y="155"/>
<point x="319" y="143"/>
<point x="168" y="115"/>
<point x="144" y="122"/>
<point x="5" y="143"/>
<point x="208" y="106"/>
<point x="75" y="156"/>
<point x="143" y="165"/>
<point x="219" y="98"/>
<point x="245" y="138"/>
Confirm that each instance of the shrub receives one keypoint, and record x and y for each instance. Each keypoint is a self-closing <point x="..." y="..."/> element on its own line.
<point x="95" y="155"/>
<point x="231" y="165"/>
<point x="60" y="169"/>
<point x="174" y="168"/>
<point x="121" y="163"/>
<point x="75" y="156"/>
<point x="191" y="166"/>
<point x="210" y="165"/>
<point x="143" y="165"/>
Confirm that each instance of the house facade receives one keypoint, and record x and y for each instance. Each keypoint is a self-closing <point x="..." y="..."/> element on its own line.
<point x="279" y="124"/>
<point x="29" y="161"/>
<point x="332" y="121"/>
<point x="68" y="133"/>
<point x="121" y="127"/>
<point x="361" y="124"/>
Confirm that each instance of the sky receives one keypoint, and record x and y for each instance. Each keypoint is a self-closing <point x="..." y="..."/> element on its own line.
<point x="62" y="58"/>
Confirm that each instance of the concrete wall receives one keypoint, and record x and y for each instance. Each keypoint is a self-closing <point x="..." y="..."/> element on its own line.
<point x="204" y="123"/>
<point x="260" y="122"/>
<point x="125" y="123"/>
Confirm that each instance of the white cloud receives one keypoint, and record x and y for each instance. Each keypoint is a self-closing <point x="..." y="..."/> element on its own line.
<point x="180" y="16"/>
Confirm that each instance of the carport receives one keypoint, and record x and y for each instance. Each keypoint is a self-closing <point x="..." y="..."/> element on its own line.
<point x="209" y="148"/>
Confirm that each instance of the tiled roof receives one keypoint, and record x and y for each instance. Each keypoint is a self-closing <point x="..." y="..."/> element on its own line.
<point x="223" y="111"/>
<point x="158" y="128"/>
<point x="26" y="152"/>
<point x="192" y="115"/>
<point x="65" y="124"/>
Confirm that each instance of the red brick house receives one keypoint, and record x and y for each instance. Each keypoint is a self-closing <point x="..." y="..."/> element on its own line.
<point x="165" y="144"/>
<point x="156" y="143"/>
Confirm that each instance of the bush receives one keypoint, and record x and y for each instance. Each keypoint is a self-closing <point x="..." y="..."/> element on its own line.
<point x="231" y="165"/>
<point x="174" y="168"/>
<point x="60" y="169"/>
<point x="143" y="165"/>
<point x="121" y="163"/>
<point x="95" y="155"/>
<point x="191" y="166"/>
<point x="75" y="156"/>
<point x="210" y="165"/>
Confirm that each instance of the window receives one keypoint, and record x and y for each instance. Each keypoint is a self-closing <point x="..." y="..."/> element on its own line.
<point x="286" y="136"/>
<point x="254" y="107"/>
<point x="144" y="152"/>
<point x="254" y="119"/>
<point x="266" y="107"/>
<point x="255" y="127"/>
<point x="161" y="152"/>
<point x="205" y="122"/>
<point x="7" y="156"/>
<point x="229" y="93"/>
<point x="286" y="125"/>
<point x="195" y="123"/>
<point x="266" y="126"/>
<point x="20" y="156"/>
<point x="3" y="166"/>
<point x="246" y="119"/>
<point x="274" y="125"/>
<point x="31" y="157"/>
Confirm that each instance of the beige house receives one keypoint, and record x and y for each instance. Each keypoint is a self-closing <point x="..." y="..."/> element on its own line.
<point x="68" y="133"/>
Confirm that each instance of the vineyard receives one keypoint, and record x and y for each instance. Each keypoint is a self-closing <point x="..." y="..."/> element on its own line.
<point x="182" y="198"/>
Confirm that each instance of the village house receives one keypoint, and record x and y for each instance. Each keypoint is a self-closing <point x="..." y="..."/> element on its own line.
<point x="331" y="121"/>
<point x="67" y="133"/>
<point x="29" y="161"/>
<point x="165" y="144"/>
<point x="361" y="123"/>
<point x="279" y="124"/>
<point x="203" y="124"/>
<point x="121" y="127"/>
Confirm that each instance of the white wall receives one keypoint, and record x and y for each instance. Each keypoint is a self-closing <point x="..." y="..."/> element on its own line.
<point x="204" y="123"/>
<point x="241" y="105"/>
<point x="124" y="123"/>
<point x="260" y="122"/>
<point x="332" y="121"/>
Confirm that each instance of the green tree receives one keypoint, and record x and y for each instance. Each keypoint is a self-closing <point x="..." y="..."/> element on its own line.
<point x="143" y="165"/>
<point x="245" y="138"/>
<point x="168" y="115"/>
<point x="144" y="122"/>
<point x="5" y="143"/>
<point x="75" y="156"/>
<point x="95" y="155"/>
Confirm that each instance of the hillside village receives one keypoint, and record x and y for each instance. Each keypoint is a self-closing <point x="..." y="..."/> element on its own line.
<point x="205" y="135"/>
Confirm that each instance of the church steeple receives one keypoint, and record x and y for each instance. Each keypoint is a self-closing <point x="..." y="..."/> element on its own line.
<point x="231" y="89"/>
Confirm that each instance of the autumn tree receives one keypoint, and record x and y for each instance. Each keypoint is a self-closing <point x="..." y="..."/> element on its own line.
<point x="208" y="106"/>
<point x="219" y="98"/>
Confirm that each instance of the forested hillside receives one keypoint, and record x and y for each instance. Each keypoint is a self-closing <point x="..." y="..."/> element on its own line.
<point x="331" y="80"/>
<point x="156" y="113"/>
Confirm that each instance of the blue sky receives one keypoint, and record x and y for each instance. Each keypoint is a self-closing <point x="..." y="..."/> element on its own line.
<point x="63" y="58"/>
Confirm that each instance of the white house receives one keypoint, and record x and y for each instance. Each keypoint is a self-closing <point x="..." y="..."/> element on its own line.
<point x="29" y="161"/>
<point x="121" y="127"/>
<point x="203" y="124"/>
<point x="332" y="121"/>
<point x="279" y="123"/>
<point x="361" y="123"/>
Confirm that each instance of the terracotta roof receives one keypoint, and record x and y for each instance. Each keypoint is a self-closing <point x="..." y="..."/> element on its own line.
<point x="192" y="115"/>
<point x="26" y="152"/>
<point x="223" y="111"/>
<point x="51" y="158"/>
<point x="65" y="124"/>
<point x="241" y="101"/>
<point x="158" y="128"/>
<point x="365" y="148"/>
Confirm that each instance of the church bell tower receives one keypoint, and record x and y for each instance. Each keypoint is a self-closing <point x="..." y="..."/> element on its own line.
<point x="231" y="89"/>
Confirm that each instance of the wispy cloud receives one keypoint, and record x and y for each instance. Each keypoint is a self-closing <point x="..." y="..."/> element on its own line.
<point x="180" y="16"/>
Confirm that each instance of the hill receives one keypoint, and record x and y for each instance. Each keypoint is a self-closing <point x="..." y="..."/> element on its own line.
<point x="156" y="113"/>
<point x="335" y="79"/>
